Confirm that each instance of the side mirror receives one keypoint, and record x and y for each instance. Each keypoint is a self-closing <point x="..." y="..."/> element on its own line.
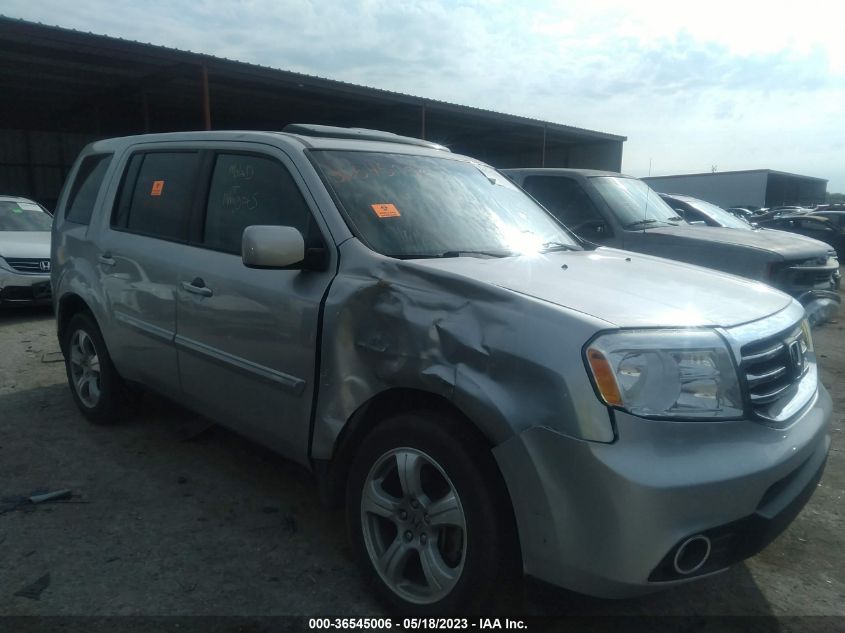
<point x="272" y="247"/>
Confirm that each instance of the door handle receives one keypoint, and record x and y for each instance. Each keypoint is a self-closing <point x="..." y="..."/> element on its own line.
<point x="197" y="287"/>
<point x="106" y="259"/>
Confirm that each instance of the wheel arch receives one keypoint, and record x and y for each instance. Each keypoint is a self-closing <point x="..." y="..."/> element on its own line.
<point x="68" y="306"/>
<point x="332" y="472"/>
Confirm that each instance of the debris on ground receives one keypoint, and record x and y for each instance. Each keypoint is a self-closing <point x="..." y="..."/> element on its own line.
<point x="55" y="495"/>
<point x="27" y="503"/>
<point x="52" y="357"/>
<point x="33" y="591"/>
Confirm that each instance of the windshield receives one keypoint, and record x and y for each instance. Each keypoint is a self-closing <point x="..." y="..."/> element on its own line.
<point x="724" y="218"/>
<point x="23" y="216"/>
<point x="409" y="206"/>
<point x="634" y="203"/>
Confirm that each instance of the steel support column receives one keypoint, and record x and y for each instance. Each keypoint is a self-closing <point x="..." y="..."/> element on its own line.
<point x="543" y="153"/>
<point x="145" y="104"/>
<point x="206" y="102"/>
<point x="422" y="121"/>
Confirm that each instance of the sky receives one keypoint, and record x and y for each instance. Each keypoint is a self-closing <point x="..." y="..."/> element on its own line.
<point x="735" y="85"/>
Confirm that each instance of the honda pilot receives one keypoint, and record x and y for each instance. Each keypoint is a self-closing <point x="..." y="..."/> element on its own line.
<point x="485" y="398"/>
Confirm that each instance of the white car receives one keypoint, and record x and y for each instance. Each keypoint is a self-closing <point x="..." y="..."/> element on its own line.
<point x="24" y="252"/>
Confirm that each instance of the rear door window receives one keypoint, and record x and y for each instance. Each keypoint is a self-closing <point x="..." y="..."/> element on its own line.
<point x="157" y="194"/>
<point x="248" y="190"/>
<point x="86" y="187"/>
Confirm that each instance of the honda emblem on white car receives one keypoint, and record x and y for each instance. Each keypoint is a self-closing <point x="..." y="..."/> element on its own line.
<point x="44" y="265"/>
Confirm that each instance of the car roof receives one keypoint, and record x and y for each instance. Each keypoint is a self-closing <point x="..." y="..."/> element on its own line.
<point x="802" y="216"/>
<point x="680" y="196"/>
<point x="305" y="135"/>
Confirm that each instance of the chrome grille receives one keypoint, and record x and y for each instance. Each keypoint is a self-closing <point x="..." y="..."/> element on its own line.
<point x="773" y="365"/>
<point x="29" y="264"/>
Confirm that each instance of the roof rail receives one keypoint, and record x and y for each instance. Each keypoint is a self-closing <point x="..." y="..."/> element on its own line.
<point x="361" y="134"/>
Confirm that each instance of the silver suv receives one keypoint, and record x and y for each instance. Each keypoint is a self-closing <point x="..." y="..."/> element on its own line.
<point x="485" y="397"/>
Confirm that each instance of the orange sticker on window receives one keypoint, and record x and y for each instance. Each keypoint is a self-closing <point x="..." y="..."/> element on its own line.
<point x="158" y="186"/>
<point x="386" y="210"/>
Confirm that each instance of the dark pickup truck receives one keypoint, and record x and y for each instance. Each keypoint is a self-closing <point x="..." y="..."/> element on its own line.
<point x="610" y="209"/>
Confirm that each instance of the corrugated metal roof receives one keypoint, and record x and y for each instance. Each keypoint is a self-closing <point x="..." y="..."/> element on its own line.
<point x="213" y="62"/>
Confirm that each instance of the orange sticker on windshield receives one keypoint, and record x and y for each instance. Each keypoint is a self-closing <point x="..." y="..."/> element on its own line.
<point x="158" y="186"/>
<point x="386" y="210"/>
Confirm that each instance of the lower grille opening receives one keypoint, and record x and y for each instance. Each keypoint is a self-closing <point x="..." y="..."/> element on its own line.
<point x="733" y="542"/>
<point x="36" y="292"/>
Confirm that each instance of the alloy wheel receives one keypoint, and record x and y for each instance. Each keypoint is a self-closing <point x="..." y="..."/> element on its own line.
<point x="414" y="525"/>
<point x="85" y="368"/>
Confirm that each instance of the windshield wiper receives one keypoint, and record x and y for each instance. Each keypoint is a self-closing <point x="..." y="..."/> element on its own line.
<point x="641" y="223"/>
<point x="558" y="246"/>
<point x="470" y="253"/>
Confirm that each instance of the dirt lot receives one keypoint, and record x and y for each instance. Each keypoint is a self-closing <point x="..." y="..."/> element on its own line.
<point x="165" y="521"/>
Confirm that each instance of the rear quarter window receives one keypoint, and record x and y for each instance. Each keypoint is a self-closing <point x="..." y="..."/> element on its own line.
<point x="86" y="187"/>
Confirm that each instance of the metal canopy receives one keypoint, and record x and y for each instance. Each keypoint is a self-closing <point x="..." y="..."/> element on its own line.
<point x="69" y="82"/>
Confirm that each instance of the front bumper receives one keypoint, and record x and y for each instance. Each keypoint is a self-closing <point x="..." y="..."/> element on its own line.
<point x="821" y="305"/>
<point x="607" y="519"/>
<point x="816" y="287"/>
<point x="24" y="289"/>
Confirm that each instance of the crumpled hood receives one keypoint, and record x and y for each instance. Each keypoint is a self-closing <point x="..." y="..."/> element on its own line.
<point x="34" y="244"/>
<point x="625" y="289"/>
<point x="787" y="245"/>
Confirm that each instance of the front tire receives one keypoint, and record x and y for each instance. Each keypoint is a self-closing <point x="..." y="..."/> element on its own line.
<point x="428" y="516"/>
<point x="94" y="383"/>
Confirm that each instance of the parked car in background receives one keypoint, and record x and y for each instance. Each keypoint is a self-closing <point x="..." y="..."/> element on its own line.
<point x="695" y="210"/>
<point x="741" y="212"/>
<point x="610" y="209"/>
<point x="24" y="252"/>
<point x="817" y="226"/>
<point x="485" y="396"/>
<point x="790" y="209"/>
<point x="836" y="216"/>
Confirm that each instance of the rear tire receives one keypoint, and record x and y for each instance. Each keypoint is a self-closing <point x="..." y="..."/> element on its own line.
<point x="94" y="383"/>
<point x="429" y="517"/>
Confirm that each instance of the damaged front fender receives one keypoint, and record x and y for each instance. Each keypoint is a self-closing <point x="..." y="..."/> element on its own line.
<point x="507" y="361"/>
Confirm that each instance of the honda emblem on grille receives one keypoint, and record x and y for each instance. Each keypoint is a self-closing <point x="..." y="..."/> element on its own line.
<point x="796" y="357"/>
<point x="44" y="265"/>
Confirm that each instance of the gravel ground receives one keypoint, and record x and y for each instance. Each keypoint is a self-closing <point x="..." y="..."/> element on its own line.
<point x="172" y="517"/>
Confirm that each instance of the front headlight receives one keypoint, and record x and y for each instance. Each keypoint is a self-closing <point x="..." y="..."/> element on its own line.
<point x="681" y="374"/>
